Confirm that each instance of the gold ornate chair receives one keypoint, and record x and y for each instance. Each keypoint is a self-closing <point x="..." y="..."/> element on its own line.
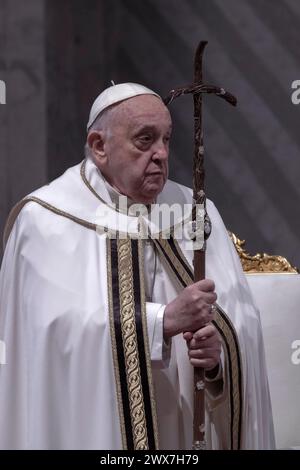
<point x="275" y="286"/>
<point x="261" y="263"/>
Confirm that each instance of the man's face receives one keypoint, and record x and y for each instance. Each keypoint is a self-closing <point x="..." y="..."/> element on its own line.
<point x="136" y="148"/>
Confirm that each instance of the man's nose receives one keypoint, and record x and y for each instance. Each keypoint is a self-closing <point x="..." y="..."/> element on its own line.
<point x="161" y="152"/>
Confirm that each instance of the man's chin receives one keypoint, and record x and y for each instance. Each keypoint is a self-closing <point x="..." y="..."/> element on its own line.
<point x="150" y="194"/>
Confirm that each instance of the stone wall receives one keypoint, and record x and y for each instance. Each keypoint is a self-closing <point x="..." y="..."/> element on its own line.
<point x="23" y="156"/>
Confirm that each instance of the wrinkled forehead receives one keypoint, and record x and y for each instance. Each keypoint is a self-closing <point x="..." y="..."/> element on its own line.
<point x="142" y="108"/>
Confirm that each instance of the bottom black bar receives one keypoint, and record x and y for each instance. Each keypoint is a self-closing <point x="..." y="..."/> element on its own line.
<point x="140" y="458"/>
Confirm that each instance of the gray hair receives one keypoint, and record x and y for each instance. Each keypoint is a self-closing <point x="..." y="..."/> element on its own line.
<point x="102" y="122"/>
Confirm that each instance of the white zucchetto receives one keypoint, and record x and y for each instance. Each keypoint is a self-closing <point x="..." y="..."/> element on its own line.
<point x="114" y="94"/>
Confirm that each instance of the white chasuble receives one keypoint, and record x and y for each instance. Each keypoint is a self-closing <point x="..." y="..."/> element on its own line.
<point x="62" y="384"/>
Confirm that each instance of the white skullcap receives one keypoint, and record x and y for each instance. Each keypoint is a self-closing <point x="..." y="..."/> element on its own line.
<point x="114" y="94"/>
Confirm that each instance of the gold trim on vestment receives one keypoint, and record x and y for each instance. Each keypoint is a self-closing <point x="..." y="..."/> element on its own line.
<point x="227" y="329"/>
<point x="171" y="272"/>
<point x="19" y="206"/>
<point x="113" y="343"/>
<point x="176" y="263"/>
<point x="90" y="187"/>
<point x="54" y="209"/>
<point x="146" y="342"/>
<point x="182" y="256"/>
<point x="131" y="353"/>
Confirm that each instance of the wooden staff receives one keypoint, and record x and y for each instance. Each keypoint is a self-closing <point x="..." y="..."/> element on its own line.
<point x="197" y="88"/>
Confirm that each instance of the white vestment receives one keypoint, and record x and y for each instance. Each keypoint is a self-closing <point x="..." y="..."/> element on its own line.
<point x="57" y="388"/>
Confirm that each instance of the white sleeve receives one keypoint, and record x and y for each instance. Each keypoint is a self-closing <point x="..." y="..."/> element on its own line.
<point x="215" y="386"/>
<point x="160" y="350"/>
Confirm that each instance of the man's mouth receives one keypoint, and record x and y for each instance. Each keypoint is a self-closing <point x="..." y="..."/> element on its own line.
<point x="155" y="173"/>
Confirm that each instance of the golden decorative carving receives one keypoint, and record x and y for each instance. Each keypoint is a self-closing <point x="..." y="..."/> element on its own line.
<point x="261" y="263"/>
<point x="130" y="345"/>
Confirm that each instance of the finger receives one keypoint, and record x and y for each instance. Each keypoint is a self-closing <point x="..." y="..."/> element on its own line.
<point x="207" y="343"/>
<point x="209" y="297"/>
<point x="188" y="335"/>
<point x="207" y="353"/>
<point x="204" y="363"/>
<point x="206" y="332"/>
<point x="204" y="316"/>
<point x="205" y="285"/>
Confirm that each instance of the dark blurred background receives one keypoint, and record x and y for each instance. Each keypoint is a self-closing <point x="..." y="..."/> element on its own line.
<point x="57" y="55"/>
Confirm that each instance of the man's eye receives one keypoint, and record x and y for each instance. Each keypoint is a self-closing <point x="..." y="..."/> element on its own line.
<point x="145" y="138"/>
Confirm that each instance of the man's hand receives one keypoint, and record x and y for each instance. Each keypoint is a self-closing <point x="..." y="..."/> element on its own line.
<point x="204" y="347"/>
<point x="191" y="309"/>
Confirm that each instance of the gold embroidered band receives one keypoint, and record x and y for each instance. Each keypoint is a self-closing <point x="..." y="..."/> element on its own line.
<point x="130" y="346"/>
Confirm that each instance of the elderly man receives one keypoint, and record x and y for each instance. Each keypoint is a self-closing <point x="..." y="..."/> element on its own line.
<point x="102" y="325"/>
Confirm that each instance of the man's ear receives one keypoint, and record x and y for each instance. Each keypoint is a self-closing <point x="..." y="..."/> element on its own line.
<point x="95" y="141"/>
